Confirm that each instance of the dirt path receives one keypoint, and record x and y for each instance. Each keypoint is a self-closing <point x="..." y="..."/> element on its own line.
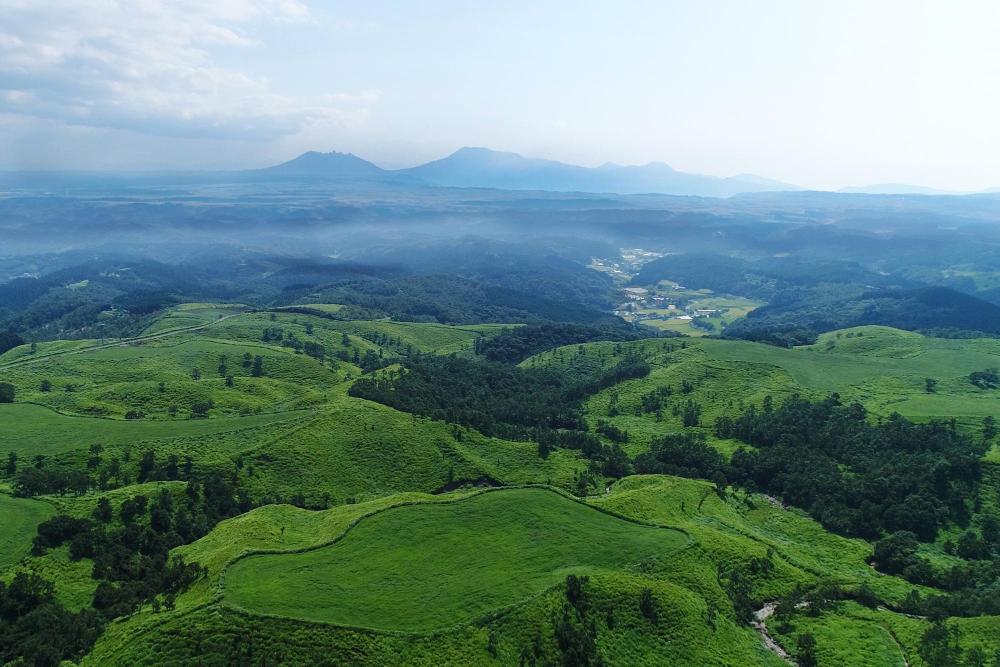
<point x="902" y="651"/>
<point x="760" y="625"/>
<point x="118" y="343"/>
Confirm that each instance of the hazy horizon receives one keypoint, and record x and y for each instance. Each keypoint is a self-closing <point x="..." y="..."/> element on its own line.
<point x="822" y="96"/>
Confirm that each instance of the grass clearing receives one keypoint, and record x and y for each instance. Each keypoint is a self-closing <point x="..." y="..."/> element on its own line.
<point x="429" y="566"/>
<point x="21" y="517"/>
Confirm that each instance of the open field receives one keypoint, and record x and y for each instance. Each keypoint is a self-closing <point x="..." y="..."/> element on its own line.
<point x="20" y="517"/>
<point x="730" y="307"/>
<point x="192" y="315"/>
<point x="429" y="566"/>
<point x="34" y="429"/>
<point x="115" y="381"/>
<point x="885" y="369"/>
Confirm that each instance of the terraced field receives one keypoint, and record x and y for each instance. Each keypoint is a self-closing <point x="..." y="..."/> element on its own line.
<point x="429" y="566"/>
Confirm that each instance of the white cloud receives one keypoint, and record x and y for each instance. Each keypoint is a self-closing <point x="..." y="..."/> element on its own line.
<point x="147" y="66"/>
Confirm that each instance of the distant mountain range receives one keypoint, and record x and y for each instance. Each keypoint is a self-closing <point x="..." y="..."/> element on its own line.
<point x="485" y="168"/>
<point x="478" y="168"/>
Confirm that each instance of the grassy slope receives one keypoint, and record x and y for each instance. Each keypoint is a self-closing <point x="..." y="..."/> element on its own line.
<point x="113" y="381"/>
<point x="34" y="429"/>
<point x="424" y="567"/>
<point x="684" y="585"/>
<point x="883" y="368"/>
<point x="192" y="315"/>
<point x="432" y="338"/>
<point x="360" y="449"/>
<point x="356" y="448"/>
<point x="17" y="528"/>
<point x="733" y="531"/>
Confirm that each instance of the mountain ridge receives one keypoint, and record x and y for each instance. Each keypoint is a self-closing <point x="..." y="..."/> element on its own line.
<point x="476" y="166"/>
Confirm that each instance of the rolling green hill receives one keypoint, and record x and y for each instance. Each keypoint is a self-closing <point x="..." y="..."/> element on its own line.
<point x="401" y="559"/>
<point x="426" y="567"/>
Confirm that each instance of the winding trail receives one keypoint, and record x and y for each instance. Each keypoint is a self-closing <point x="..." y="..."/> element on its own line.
<point x="760" y="625"/>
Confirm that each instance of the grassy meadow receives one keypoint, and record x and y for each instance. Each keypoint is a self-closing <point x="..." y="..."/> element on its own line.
<point x="428" y="566"/>
<point x="20" y="518"/>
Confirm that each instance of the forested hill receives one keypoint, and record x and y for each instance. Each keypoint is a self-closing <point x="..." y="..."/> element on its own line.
<point x="797" y="316"/>
<point x="757" y="279"/>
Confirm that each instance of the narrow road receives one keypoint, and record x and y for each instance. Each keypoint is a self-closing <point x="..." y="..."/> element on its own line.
<point x="24" y="361"/>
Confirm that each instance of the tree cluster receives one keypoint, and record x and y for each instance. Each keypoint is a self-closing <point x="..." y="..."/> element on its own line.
<point x="517" y="344"/>
<point x="854" y="476"/>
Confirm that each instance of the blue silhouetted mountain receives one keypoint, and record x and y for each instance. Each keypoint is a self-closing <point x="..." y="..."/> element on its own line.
<point x="485" y="168"/>
<point x="330" y="165"/>
<point x="482" y="167"/>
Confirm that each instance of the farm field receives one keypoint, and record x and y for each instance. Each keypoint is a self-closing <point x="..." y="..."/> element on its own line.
<point x="429" y="566"/>
<point x="731" y="308"/>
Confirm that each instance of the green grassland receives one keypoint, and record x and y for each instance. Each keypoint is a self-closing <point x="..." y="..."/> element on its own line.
<point x="188" y="315"/>
<point x="292" y="584"/>
<point x="443" y="568"/>
<point x="733" y="530"/>
<point x="425" y="337"/>
<point x="44" y="348"/>
<point x="425" y="567"/>
<point x="17" y="528"/>
<point x="884" y="369"/>
<point x="34" y="429"/>
<point x="114" y="381"/>
<point x="205" y="628"/>
<point x="358" y="449"/>
<point x="207" y="635"/>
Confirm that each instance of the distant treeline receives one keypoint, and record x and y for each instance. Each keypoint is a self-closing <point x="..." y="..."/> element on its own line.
<point x="517" y="344"/>
<point x="494" y="398"/>
<point x="808" y="296"/>
<point x="797" y="317"/>
<point x="761" y="279"/>
<point x="484" y="282"/>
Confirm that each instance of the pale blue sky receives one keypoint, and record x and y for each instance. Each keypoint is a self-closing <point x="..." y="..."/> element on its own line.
<point x="822" y="94"/>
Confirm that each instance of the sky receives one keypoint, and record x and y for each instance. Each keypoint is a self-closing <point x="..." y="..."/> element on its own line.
<point x="819" y="94"/>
